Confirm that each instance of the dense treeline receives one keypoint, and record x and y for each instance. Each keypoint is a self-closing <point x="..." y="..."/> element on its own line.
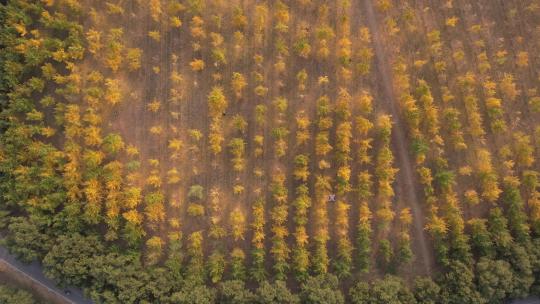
<point x="11" y="294"/>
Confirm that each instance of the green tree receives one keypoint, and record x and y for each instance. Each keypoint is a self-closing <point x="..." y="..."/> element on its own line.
<point x="71" y="259"/>
<point x="216" y="266"/>
<point x="480" y="238"/>
<point x="118" y="278"/>
<point x="458" y="285"/>
<point x="386" y="254"/>
<point x="520" y="260"/>
<point x="426" y="291"/>
<point x="322" y="289"/>
<point x="113" y="143"/>
<point x="234" y="292"/>
<point x="238" y="268"/>
<point x="216" y="102"/>
<point x="495" y="279"/>
<point x="198" y="294"/>
<point x="498" y="228"/>
<point x="196" y="192"/>
<point x="154" y="250"/>
<point x="25" y="240"/>
<point x="276" y="292"/>
<point x="390" y="290"/>
<point x="10" y="294"/>
<point x="359" y="293"/>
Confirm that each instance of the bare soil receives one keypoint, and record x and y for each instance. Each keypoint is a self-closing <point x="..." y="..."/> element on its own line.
<point x="407" y="182"/>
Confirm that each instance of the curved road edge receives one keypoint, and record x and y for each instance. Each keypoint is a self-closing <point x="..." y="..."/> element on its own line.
<point x="34" y="272"/>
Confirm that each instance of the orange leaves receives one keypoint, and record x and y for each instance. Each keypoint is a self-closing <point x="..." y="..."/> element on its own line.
<point x="405" y="216"/>
<point x="301" y="171"/>
<point x="154" y="179"/>
<point x="257" y="225"/>
<point x="238" y="84"/>
<point x="94" y="41"/>
<point x="133" y="216"/>
<point x="133" y="58"/>
<point x="155" y="9"/>
<point x="92" y="191"/>
<point x="113" y="93"/>
<point x="488" y="177"/>
<point x="132" y="197"/>
<point x="114" y="56"/>
<point x="196" y="28"/>
<point x="385" y="214"/>
<point x="92" y="136"/>
<point x="155" y="212"/>
<point x="437" y="226"/>
<point x="342" y="218"/>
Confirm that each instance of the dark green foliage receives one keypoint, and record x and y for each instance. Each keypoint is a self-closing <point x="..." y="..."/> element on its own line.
<point x="322" y="289"/>
<point x="444" y="179"/>
<point x="25" y="240"/>
<point x="276" y="292"/>
<point x="390" y="290"/>
<point x="175" y="258"/>
<point x="133" y="234"/>
<point x="113" y="143"/>
<point x="216" y="266"/>
<point x="441" y="250"/>
<point x="459" y="249"/>
<point x="520" y="260"/>
<point x="495" y="279"/>
<point x="498" y="227"/>
<point x="71" y="258"/>
<point x="403" y="254"/>
<point x="196" y="192"/>
<point x="517" y="219"/>
<point x="535" y="263"/>
<point x="117" y="279"/>
<point x="257" y="271"/>
<point x="12" y="295"/>
<point x="234" y="292"/>
<point x="359" y="293"/>
<point x="419" y="147"/>
<point x="458" y="286"/>
<point x="426" y="291"/>
<point x="363" y="247"/>
<point x="384" y="258"/>
<point x="195" y="295"/>
<point x="530" y="180"/>
<point x="238" y="270"/>
<point x="480" y="238"/>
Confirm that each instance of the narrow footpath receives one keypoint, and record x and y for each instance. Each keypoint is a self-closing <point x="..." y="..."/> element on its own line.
<point x="406" y="165"/>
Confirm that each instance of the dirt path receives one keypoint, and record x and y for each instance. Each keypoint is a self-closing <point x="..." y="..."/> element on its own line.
<point x="405" y="163"/>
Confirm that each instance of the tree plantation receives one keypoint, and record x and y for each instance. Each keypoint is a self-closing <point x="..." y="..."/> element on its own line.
<point x="273" y="151"/>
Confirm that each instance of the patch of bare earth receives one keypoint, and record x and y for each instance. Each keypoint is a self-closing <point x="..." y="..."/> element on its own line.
<point x="407" y="186"/>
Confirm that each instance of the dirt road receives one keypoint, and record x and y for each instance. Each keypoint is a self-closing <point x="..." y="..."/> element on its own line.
<point x="399" y="140"/>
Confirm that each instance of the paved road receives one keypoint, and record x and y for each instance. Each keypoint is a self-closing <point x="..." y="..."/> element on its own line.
<point x="530" y="300"/>
<point x="34" y="272"/>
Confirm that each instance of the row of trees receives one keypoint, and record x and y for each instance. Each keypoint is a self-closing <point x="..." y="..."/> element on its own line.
<point x="363" y="127"/>
<point x="343" y="262"/>
<point x="323" y="187"/>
